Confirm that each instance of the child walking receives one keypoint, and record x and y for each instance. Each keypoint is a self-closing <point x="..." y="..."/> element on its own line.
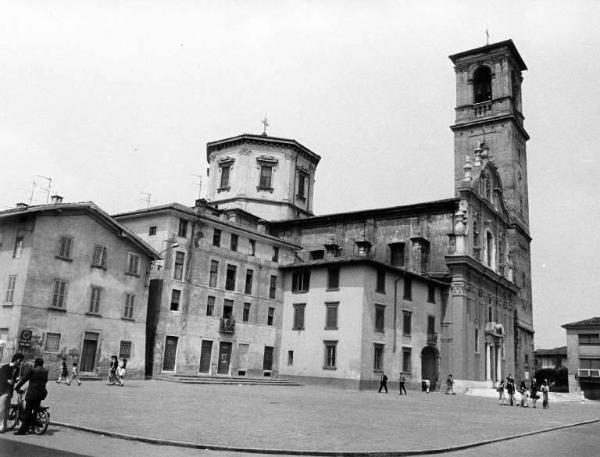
<point x="64" y="372"/>
<point x="74" y="375"/>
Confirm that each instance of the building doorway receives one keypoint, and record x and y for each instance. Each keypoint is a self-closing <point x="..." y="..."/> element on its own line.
<point x="170" y="354"/>
<point x="205" y="356"/>
<point x="243" y="359"/>
<point x="88" y="354"/>
<point x="429" y="365"/>
<point x="224" y="358"/>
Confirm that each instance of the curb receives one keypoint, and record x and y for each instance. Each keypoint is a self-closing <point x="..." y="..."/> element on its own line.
<point x="213" y="447"/>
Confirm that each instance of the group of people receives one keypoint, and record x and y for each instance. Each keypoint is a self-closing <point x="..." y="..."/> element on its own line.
<point x="426" y="384"/>
<point x="11" y="379"/>
<point x="508" y="394"/>
<point x="64" y="373"/>
<point x="116" y="372"/>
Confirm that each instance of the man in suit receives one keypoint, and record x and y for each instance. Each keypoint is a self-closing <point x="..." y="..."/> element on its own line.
<point x="8" y="378"/>
<point x="36" y="392"/>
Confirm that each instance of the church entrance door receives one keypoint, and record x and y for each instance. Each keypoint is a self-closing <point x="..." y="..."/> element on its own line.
<point x="429" y="365"/>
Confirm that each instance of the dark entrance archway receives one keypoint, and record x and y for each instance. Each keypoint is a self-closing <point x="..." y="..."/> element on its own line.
<point x="429" y="365"/>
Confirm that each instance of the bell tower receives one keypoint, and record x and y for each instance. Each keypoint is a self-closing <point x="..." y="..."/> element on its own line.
<point x="489" y="113"/>
<point x="489" y="125"/>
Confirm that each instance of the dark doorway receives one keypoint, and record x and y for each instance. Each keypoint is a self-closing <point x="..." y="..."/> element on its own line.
<point x="170" y="354"/>
<point x="205" y="356"/>
<point x="268" y="359"/>
<point x="224" y="358"/>
<point x="88" y="354"/>
<point x="429" y="365"/>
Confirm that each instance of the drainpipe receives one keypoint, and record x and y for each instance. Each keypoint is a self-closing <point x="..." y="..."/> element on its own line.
<point x="395" y="311"/>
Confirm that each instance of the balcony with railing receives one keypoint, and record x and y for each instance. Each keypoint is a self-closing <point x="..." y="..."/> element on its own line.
<point x="432" y="339"/>
<point x="227" y="325"/>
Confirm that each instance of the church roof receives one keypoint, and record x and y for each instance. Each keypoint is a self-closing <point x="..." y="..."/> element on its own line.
<point x="260" y="139"/>
<point x="489" y="47"/>
<point x="593" y="322"/>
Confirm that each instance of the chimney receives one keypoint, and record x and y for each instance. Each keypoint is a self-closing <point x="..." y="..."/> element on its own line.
<point x="56" y="199"/>
<point x="22" y="205"/>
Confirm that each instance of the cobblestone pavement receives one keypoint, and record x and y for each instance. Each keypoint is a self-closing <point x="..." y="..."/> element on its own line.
<point x="300" y="418"/>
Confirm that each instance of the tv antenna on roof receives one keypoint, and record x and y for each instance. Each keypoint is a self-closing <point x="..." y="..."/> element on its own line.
<point x="199" y="183"/>
<point x="47" y="189"/>
<point x="147" y="199"/>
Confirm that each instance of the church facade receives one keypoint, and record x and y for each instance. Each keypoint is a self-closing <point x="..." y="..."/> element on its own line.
<point x="428" y="289"/>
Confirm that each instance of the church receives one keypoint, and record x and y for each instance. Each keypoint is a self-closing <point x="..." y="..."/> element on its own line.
<point x="427" y="289"/>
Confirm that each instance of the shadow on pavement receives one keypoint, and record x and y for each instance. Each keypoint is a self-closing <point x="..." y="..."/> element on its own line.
<point x="21" y="448"/>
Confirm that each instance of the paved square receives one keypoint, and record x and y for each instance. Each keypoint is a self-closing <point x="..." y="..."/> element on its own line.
<point x="300" y="418"/>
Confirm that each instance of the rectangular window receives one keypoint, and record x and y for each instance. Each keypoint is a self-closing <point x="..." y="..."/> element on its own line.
<point x="52" y="342"/>
<point x="330" y="355"/>
<point x="227" y="309"/>
<point x="210" y="305"/>
<point x="59" y="291"/>
<point x="275" y="257"/>
<point x="331" y="316"/>
<point x="252" y="247"/>
<point x="430" y="325"/>
<point x="99" y="259"/>
<point x="431" y="293"/>
<point x="378" y="357"/>
<point x="317" y="254"/>
<point x="64" y="247"/>
<point x="380" y="281"/>
<point x="95" y="295"/>
<point x="290" y="360"/>
<point x="476" y="340"/>
<point x="129" y="304"/>
<point x="333" y="278"/>
<point x="10" y="289"/>
<point x="299" y="316"/>
<point x="266" y="173"/>
<point x="406" y="360"/>
<point x="214" y="272"/>
<point x="225" y="169"/>
<point x="175" y="297"/>
<point x="273" y="286"/>
<point x="589" y="364"/>
<point x="125" y="349"/>
<point x="183" y="226"/>
<point x="379" y="318"/>
<point x="18" y="249"/>
<point x="217" y="238"/>
<point x="302" y="185"/>
<point x="133" y="264"/>
<point x="178" y="268"/>
<point x="246" y="314"/>
<point x="406" y="322"/>
<point x="589" y="339"/>
<point x="301" y="281"/>
<point x="397" y="254"/>
<point x="407" y="288"/>
<point x="270" y="316"/>
<point x="248" y="285"/>
<point x="233" y="242"/>
<point x="152" y="230"/>
<point x="230" y="278"/>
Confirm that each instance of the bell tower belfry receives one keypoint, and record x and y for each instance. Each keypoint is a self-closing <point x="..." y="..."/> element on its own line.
<point x="489" y="110"/>
<point x="490" y="169"/>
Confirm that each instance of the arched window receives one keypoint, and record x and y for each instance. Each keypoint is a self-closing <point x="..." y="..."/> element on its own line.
<point x="482" y="85"/>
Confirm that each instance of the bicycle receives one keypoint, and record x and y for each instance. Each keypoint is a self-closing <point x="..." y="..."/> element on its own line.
<point x="17" y="412"/>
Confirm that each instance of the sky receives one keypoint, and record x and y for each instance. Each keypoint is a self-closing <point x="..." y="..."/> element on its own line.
<point x="115" y="100"/>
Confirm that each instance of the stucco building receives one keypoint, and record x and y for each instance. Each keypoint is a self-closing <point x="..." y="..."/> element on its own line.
<point x="583" y="356"/>
<point x="75" y="285"/>
<point x="215" y="301"/>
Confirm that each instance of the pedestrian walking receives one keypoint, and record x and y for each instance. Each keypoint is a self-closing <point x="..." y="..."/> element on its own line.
<point x="534" y="392"/>
<point x="122" y="368"/>
<point x="112" y="371"/>
<point x="450" y="385"/>
<point x="523" y="391"/>
<point x="74" y="374"/>
<point x="383" y="383"/>
<point x="402" y="381"/>
<point x="501" y="396"/>
<point x="64" y="372"/>
<point x="510" y="389"/>
<point x="545" y="390"/>
<point x="36" y="392"/>
<point x="8" y="378"/>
